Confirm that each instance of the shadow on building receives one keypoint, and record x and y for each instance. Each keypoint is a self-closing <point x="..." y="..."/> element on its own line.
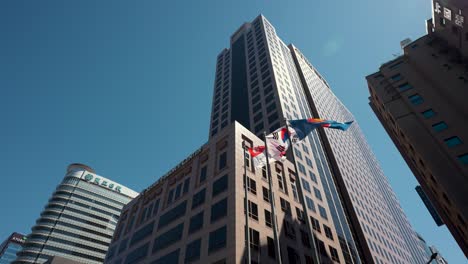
<point x="295" y="244"/>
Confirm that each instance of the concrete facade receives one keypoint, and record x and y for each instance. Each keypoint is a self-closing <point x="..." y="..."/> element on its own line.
<point x="141" y="238"/>
<point x="420" y="98"/>
<point x="79" y="219"/>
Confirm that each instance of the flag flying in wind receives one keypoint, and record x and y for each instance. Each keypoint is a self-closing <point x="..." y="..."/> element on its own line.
<point x="303" y="127"/>
<point x="278" y="141"/>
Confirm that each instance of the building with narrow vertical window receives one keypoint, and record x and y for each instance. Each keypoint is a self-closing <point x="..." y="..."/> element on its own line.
<point x="10" y="247"/>
<point x="337" y="207"/>
<point x="79" y="219"/>
<point x="420" y="99"/>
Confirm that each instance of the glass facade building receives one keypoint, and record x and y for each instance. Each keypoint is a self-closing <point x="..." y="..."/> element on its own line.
<point x="260" y="81"/>
<point x="79" y="219"/>
<point x="10" y="247"/>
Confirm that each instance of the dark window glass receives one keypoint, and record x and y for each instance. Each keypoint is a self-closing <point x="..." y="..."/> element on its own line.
<point x="137" y="254"/>
<point x="172" y="215"/>
<point x="192" y="251"/>
<point x="142" y="233"/>
<point x="305" y="239"/>
<point x="219" y="210"/>
<point x="186" y="185"/>
<point x="253" y="210"/>
<point x="322" y="212"/>
<point x="293" y="257"/>
<point x="254" y="239"/>
<point x="318" y="195"/>
<point x="266" y="194"/>
<point x="220" y="185"/>
<point x="453" y="141"/>
<point x="396" y="77"/>
<point x="334" y="254"/>
<point x="217" y="239"/>
<point x="170" y="197"/>
<point x="289" y="230"/>
<point x="463" y="158"/>
<point x="252" y="186"/>
<point x="271" y="247"/>
<point x="428" y="113"/>
<point x="268" y="219"/>
<point x="315" y="224"/>
<point x="440" y="126"/>
<point x="170" y="258"/>
<point x="404" y="87"/>
<point x="222" y="161"/>
<point x="177" y="191"/>
<point x="328" y="232"/>
<point x="198" y="198"/>
<point x="310" y="204"/>
<point x="203" y="172"/>
<point x="285" y="206"/>
<point x="168" y="238"/>
<point x="306" y="185"/>
<point x="416" y="99"/>
<point x="196" y="222"/>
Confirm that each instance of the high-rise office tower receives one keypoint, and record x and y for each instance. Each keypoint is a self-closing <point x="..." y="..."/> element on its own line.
<point x="420" y="99"/>
<point x="79" y="219"/>
<point x="195" y="213"/>
<point x="10" y="247"/>
<point x="259" y="82"/>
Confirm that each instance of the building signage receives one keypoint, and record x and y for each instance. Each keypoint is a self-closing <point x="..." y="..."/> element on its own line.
<point x="102" y="182"/>
<point x="457" y="18"/>
<point x="18" y="238"/>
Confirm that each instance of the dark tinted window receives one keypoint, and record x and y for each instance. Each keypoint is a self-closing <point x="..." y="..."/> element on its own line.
<point x="196" y="222"/>
<point x="219" y="210"/>
<point x="217" y="239"/>
<point x="172" y="215"/>
<point x="192" y="251"/>
<point x="220" y="185"/>
<point x="168" y="238"/>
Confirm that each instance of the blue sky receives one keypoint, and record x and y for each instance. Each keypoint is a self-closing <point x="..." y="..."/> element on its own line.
<point x="126" y="87"/>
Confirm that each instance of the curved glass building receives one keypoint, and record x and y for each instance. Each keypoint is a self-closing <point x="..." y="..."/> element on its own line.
<point x="79" y="219"/>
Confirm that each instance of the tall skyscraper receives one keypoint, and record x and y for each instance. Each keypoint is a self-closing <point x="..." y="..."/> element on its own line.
<point x="259" y="82"/>
<point x="195" y="213"/>
<point x="79" y="219"/>
<point x="420" y="99"/>
<point x="10" y="247"/>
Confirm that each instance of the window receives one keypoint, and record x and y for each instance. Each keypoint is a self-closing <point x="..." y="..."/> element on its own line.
<point x="440" y="126"/>
<point x="203" y="172"/>
<point x="142" y="233"/>
<point x="301" y="168"/>
<point x="252" y="186"/>
<point x="315" y="224"/>
<point x="198" y="198"/>
<point x="313" y="177"/>
<point x="266" y="194"/>
<point x="177" y="191"/>
<point x="222" y="161"/>
<point x="220" y="185"/>
<point x="196" y="222"/>
<point x="322" y="212"/>
<point x="300" y="215"/>
<point x="285" y="206"/>
<point x="168" y="238"/>
<point x="293" y="257"/>
<point x="219" y="210"/>
<point x="172" y="215"/>
<point x="428" y="113"/>
<point x="309" y="162"/>
<point x="396" y="77"/>
<point x="137" y="254"/>
<point x="253" y="210"/>
<point x="172" y="257"/>
<point x="463" y="158"/>
<point x="192" y="251"/>
<point x="271" y="247"/>
<point x="416" y="99"/>
<point x="170" y="197"/>
<point x="254" y="239"/>
<point x="334" y="254"/>
<point x="328" y="232"/>
<point x="186" y="185"/>
<point x="452" y="141"/>
<point x="268" y="219"/>
<point x="289" y="229"/>
<point x="318" y="194"/>
<point x="306" y="185"/>
<point x="305" y="238"/>
<point x="310" y="204"/>
<point x="404" y="87"/>
<point x="217" y="239"/>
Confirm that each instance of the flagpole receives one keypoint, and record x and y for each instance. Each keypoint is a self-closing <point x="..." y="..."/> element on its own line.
<point x="301" y="198"/>
<point x="272" y="204"/>
<point x="246" y="205"/>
